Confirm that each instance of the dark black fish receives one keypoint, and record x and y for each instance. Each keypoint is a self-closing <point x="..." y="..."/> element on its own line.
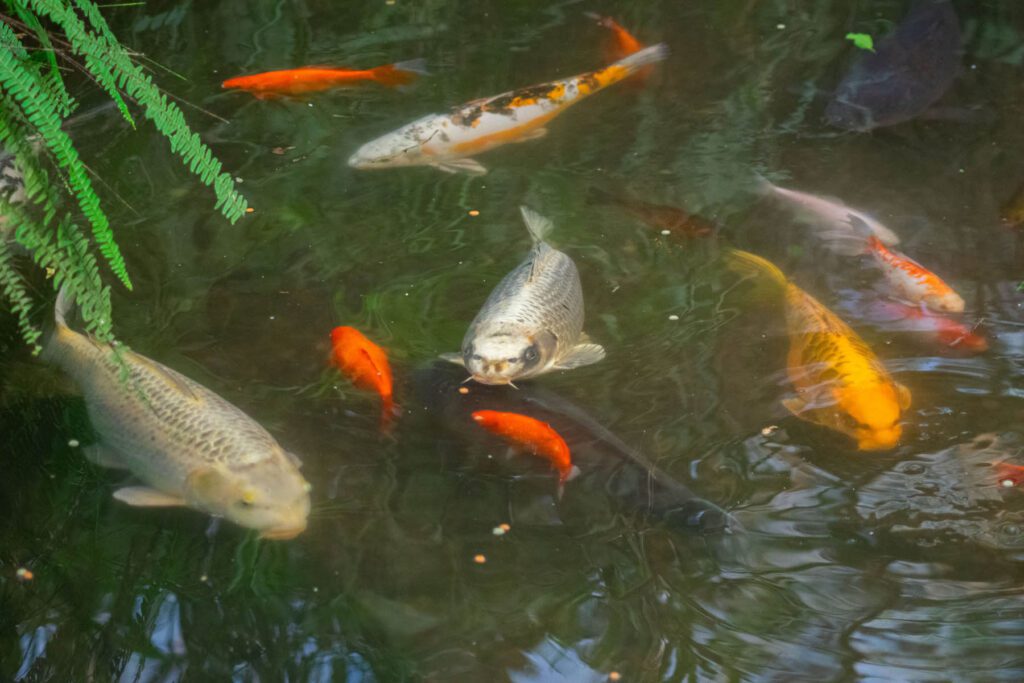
<point x="634" y="483"/>
<point x="910" y="70"/>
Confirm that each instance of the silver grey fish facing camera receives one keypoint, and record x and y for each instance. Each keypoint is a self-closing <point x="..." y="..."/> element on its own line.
<point x="532" y="322"/>
<point x="187" y="444"/>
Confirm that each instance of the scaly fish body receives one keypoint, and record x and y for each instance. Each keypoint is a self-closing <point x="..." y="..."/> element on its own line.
<point x="448" y="141"/>
<point x="317" y="78"/>
<point x="532" y="322"/>
<point x="532" y="434"/>
<point x="839" y="381"/>
<point x="190" y="446"/>
<point x="366" y="364"/>
<point x="914" y="282"/>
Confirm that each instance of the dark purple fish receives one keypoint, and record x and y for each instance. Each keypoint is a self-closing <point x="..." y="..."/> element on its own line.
<point x="910" y="70"/>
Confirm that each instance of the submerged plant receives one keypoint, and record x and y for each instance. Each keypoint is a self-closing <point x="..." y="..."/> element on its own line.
<point x="37" y="39"/>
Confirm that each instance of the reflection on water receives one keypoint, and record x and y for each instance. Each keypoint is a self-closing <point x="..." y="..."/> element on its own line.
<point x="840" y="565"/>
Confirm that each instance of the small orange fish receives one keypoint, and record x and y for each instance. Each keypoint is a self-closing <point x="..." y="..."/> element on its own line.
<point x="621" y="43"/>
<point x="533" y="435"/>
<point x="658" y="216"/>
<point x="317" y="78"/>
<point x="912" y="281"/>
<point x="366" y="364"/>
<point x="936" y="328"/>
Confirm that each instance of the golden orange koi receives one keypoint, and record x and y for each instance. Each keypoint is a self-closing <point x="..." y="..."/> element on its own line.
<point x="448" y="141"/>
<point x="840" y="383"/>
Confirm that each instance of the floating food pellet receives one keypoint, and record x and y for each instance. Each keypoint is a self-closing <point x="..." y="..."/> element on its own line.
<point x="463" y="390"/>
<point x="505" y="527"/>
<point x="666" y="232"/>
<point x="499" y="531"/>
<point x="73" y="443"/>
<point x="1007" y="483"/>
<point x="769" y="430"/>
<point x="673" y="317"/>
<point x="24" y="574"/>
<point x="479" y="559"/>
<point x="204" y="578"/>
<point x="249" y="209"/>
<point x="614" y="676"/>
<point x="474" y="213"/>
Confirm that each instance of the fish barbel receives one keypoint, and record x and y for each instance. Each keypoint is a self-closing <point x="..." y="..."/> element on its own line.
<point x="187" y="444"/>
<point x="532" y="322"/>
<point x="840" y="383"/>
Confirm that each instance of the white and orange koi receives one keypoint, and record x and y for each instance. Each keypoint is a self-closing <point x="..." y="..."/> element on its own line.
<point x="449" y="141"/>
<point x="912" y="281"/>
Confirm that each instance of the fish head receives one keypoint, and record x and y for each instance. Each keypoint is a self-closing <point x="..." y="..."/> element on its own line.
<point x="269" y="495"/>
<point x="403" y="147"/>
<point x="946" y="302"/>
<point x="872" y="414"/>
<point x="848" y="115"/>
<point x="503" y="358"/>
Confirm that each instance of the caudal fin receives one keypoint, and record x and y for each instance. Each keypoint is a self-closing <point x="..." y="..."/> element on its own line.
<point x="752" y="265"/>
<point x="389" y="413"/>
<point x="638" y="60"/>
<point x="401" y="73"/>
<point x="62" y="310"/>
<point x="855" y="236"/>
<point x="539" y="226"/>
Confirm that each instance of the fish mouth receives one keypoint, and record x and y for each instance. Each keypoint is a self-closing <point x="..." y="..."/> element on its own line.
<point x="283" y="533"/>
<point x="493" y="381"/>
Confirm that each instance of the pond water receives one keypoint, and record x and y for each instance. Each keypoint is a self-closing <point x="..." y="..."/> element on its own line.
<point x="839" y="564"/>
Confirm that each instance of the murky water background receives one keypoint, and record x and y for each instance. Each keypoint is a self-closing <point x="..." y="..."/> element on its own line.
<point x="902" y="565"/>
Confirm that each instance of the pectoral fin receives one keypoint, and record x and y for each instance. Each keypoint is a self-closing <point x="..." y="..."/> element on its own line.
<point x="580" y="355"/>
<point x="470" y="166"/>
<point x="144" y="496"/>
<point x="103" y="456"/>
<point x="453" y="358"/>
<point x="904" y="396"/>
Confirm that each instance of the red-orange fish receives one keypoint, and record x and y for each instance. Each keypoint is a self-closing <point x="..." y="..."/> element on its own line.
<point x="936" y="328"/>
<point x="317" y="78"/>
<point x="659" y="216"/>
<point x="533" y="435"/>
<point x="620" y="43"/>
<point x="366" y="364"/>
<point x="1005" y="472"/>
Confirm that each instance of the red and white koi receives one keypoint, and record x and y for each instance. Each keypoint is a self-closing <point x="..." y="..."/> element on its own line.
<point x="912" y="281"/>
<point x="449" y="141"/>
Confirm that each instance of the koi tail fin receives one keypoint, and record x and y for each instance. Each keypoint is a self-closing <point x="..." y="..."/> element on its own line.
<point x="571" y="474"/>
<point x="638" y="60"/>
<point x="539" y="226"/>
<point x="53" y="349"/>
<point x="606" y="22"/>
<point x="856" y="237"/>
<point x="401" y="73"/>
<point x="752" y="265"/>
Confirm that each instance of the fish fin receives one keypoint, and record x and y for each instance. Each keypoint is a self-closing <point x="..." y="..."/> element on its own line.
<point x="467" y="165"/>
<point x="389" y="413"/>
<point x="146" y="497"/>
<point x="904" y="396"/>
<point x="416" y="66"/>
<point x="535" y="134"/>
<point x="369" y="359"/>
<point x="400" y="75"/>
<point x="797" y="406"/>
<point x="573" y="472"/>
<point x="580" y="355"/>
<point x="762" y="185"/>
<point x="103" y="456"/>
<point x="539" y="226"/>
<point x="209" y="483"/>
<point x="293" y="459"/>
<point x="638" y="60"/>
<point x="752" y="265"/>
<point x="453" y="358"/>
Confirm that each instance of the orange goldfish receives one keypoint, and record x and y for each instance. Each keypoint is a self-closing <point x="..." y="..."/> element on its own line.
<point x="366" y="364"/>
<point x="1006" y="472"/>
<point x="621" y="43"/>
<point x="840" y="383"/>
<point x="533" y="435"/>
<point x="317" y="78"/>
<point x="658" y="216"/>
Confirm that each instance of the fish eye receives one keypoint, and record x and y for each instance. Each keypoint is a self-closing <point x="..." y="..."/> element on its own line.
<point x="530" y="354"/>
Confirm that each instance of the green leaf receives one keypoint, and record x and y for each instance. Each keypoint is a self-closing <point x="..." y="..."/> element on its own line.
<point x="862" y="41"/>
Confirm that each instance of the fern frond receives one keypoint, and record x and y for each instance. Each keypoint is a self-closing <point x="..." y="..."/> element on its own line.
<point x="14" y="290"/>
<point x="55" y="83"/>
<point x="165" y="115"/>
<point x="20" y="85"/>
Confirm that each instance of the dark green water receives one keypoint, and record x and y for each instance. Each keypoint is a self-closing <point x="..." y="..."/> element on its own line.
<point x="900" y="565"/>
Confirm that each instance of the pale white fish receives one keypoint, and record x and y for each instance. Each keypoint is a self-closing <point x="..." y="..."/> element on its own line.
<point x="828" y="214"/>
<point x="532" y="322"/>
<point x="185" y="443"/>
<point x="448" y="141"/>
